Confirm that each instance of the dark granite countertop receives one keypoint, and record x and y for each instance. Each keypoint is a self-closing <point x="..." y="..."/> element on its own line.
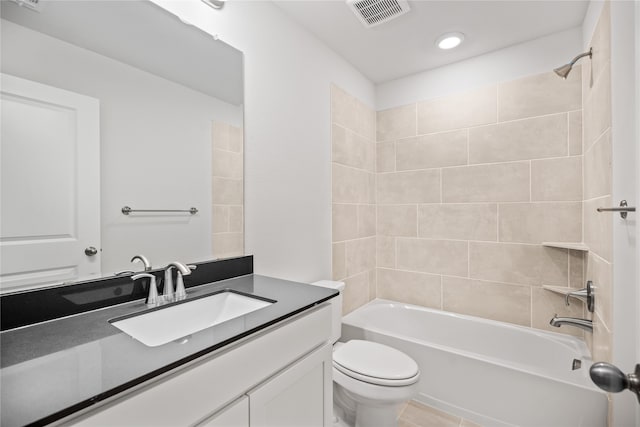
<point x="52" y="369"/>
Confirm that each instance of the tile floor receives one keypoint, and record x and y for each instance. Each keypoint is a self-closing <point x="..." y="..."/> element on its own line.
<point x="415" y="414"/>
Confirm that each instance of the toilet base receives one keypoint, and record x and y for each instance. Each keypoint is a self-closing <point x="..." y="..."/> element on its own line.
<point x="378" y="416"/>
<point x="351" y="411"/>
<point x="367" y="418"/>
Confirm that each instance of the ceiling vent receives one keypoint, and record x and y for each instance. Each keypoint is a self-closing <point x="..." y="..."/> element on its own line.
<point x="35" y="5"/>
<point x="376" y="12"/>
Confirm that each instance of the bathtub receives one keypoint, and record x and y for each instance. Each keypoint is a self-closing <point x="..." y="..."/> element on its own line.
<point x="492" y="373"/>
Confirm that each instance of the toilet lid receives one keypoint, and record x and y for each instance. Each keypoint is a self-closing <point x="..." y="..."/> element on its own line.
<point x="375" y="363"/>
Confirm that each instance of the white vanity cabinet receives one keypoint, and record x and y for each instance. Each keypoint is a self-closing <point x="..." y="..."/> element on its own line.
<point x="296" y="397"/>
<point x="278" y="377"/>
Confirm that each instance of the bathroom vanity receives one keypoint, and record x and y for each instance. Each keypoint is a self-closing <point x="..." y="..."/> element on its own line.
<point x="269" y="367"/>
<point x="280" y="376"/>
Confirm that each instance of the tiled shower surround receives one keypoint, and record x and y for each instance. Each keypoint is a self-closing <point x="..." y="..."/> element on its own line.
<point x="227" y="190"/>
<point x="353" y="197"/>
<point x="467" y="187"/>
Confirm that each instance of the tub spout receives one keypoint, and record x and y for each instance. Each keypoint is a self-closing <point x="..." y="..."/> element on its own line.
<point x="585" y="324"/>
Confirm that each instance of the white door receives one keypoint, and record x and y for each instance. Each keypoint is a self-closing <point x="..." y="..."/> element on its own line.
<point x="50" y="185"/>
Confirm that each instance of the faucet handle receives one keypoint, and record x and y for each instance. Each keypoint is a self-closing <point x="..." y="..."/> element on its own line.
<point x="580" y="293"/>
<point x="152" y="298"/>
<point x="585" y="294"/>
<point x="124" y="273"/>
<point x="181" y="292"/>
<point x="167" y="292"/>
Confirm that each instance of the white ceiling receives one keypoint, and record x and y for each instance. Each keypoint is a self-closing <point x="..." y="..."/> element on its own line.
<point x="406" y="46"/>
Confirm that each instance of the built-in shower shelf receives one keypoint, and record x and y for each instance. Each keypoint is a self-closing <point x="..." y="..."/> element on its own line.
<point x="576" y="246"/>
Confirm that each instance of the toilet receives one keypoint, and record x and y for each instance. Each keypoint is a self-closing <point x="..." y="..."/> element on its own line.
<point x="370" y="380"/>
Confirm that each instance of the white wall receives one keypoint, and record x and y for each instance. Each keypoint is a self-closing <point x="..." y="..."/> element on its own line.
<point x="590" y="21"/>
<point x="155" y="146"/>
<point x="532" y="57"/>
<point x="287" y="132"/>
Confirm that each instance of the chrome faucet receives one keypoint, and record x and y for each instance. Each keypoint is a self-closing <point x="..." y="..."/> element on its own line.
<point x="180" y="293"/>
<point x="144" y="260"/>
<point x="141" y="258"/>
<point x="585" y="324"/>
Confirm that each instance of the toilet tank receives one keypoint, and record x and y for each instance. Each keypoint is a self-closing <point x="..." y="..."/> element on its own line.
<point x="336" y="307"/>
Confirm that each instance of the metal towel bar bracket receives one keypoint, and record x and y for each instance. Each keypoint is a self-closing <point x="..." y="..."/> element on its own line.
<point x="127" y="210"/>
<point x="623" y="209"/>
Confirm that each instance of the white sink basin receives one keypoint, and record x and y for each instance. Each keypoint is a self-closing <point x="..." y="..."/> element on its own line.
<point x="171" y="323"/>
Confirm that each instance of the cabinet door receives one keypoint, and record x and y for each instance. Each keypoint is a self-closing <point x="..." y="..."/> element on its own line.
<point x="234" y="415"/>
<point x="300" y="396"/>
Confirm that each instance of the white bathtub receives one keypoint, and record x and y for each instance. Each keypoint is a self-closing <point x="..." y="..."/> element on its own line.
<point x="493" y="373"/>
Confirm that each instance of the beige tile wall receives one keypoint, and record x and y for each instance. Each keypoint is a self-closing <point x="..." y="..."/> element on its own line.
<point x="450" y="205"/>
<point x="469" y="186"/>
<point x="598" y="229"/>
<point x="353" y="149"/>
<point x="227" y="190"/>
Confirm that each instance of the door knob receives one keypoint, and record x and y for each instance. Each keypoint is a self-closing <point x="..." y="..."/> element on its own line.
<point x="90" y="251"/>
<point x="609" y="378"/>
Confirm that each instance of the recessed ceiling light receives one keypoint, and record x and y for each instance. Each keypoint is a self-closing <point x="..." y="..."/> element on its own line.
<point x="449" y="40"/>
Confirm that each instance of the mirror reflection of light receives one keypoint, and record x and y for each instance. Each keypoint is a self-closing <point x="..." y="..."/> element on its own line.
<point x="449" y="40"/>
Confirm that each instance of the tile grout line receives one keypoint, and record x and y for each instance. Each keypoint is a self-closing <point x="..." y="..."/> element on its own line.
<point x="488" y="202"/>
<point x="460" y="166"/>
<point x="468" y="259"/>
<point x="462" y="127"/>
<point x="395" y="156"/>
<point x="531" y="306"/>
<point x="435" y="239"/>
<point x="497" y="102"/>
<point x="441" y="188"/>
<point x="568" y="268"/>
<point x="477" y="279"/>
<point x="530" y="182"/>
<point x="416" y="117"/>
<point x="498" y="223"/>
<point x="568" y="133"/>
<point x="395" y="252"/>
<point x="468" y="147"/>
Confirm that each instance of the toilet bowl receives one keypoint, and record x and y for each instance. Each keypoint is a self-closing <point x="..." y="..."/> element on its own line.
<point x="370" y="380"/>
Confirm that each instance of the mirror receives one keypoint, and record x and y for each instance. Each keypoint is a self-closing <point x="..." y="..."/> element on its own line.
<point x="168" y="105"/>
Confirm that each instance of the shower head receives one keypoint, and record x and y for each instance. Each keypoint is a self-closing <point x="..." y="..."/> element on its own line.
<point x="563" y="71"/>
<point x="566" y="69"/>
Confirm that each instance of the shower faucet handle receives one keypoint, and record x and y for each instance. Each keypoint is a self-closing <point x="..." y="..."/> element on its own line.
<point x="585" y="294"/>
